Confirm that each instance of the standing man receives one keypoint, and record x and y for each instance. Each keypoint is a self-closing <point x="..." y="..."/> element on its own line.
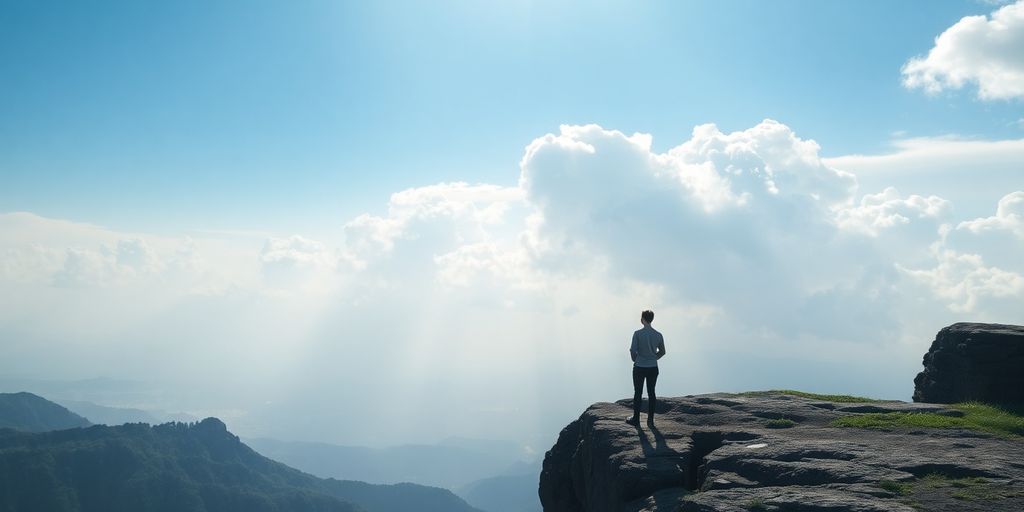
<point x="648" y="346"/>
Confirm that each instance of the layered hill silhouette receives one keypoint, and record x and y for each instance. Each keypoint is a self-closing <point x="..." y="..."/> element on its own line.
<point x="107" y="415"/>
<point x="503" y="493"/>
<point x="489" y="475"/>
<point x="178" y="467"/>
<point x="442" y="465"/>
<point x="33" y="413"/>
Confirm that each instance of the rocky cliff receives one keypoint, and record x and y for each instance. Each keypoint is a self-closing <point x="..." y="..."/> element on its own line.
<point x="973" y="362"/>
<point x="781" y="451"/>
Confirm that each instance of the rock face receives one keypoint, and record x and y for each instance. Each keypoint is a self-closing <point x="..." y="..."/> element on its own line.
<point x="966" y="362"/>
<point x="720" y="452"/>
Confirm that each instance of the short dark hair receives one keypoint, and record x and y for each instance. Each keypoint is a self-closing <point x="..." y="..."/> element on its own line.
<point x="647" y="316"/>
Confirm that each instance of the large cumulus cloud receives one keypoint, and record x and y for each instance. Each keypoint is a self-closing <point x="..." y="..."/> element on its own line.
<point x="752" y="222"/>
<point x="987" y="51"/>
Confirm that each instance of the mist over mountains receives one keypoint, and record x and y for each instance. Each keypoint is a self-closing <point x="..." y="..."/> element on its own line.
<point x="450" y="466"/>
<point x="490" y="475"/>
<point x="170" y="467"/>
<point x="104" y="415"/>
<point x="32" y="413"/>
<point x="189" y="466"/>
<point x="503" y="493"/>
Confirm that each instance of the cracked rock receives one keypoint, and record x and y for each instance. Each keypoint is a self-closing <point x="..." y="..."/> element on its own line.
<point x="716" y="453"/>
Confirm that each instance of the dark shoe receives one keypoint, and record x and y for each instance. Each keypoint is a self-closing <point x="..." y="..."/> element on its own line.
<point x="633" y="420"/>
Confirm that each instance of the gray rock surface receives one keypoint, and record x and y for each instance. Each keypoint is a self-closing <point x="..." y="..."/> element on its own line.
<point x="717" y="453"/>
<point x="979" y="362"/>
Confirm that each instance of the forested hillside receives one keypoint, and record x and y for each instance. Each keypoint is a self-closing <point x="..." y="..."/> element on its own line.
<point x="178" y="467"/>
<point x="32" y="413"/>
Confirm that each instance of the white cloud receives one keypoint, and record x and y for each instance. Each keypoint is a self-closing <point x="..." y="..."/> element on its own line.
<point x="187" y="257"/>
<point x="984" y="50"/>
<point x="30" y="263"/>
<point x="295" y="250"/>
<point x="766" y="158"/>
<point x="1009" y="217"/>
<point x="978" y="265"/>
<point x="972" y="174"/>
<point x="746" y="243"/>
<point x="886" y="210"/>
<point x="467" y="209"/>
<point x="999" y="238"/>
<point x="136" y="256"/>
<point x="935" y="154"/>
<point x="963" y="280"/>
<point x="129" y="260"/>
<point x="451" y="230"/>
<point x="40" y="250"/>
<point x="753" y="222"/>
<point x="86" y="268"/>
<point x="295" y="261"/>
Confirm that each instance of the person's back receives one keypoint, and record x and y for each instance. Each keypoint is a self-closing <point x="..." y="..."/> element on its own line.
<point x="646" y="342"/>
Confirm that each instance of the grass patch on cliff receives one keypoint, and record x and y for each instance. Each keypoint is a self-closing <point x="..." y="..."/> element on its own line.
<point x="939" y="491"/>
<point x="970" y="488"/>
<point x="780" y="423"/>
<point x="896" y="487"/>
<point x="812" y="396"/>
<point x="977" y="416"/>
<point x="757" y="504"/>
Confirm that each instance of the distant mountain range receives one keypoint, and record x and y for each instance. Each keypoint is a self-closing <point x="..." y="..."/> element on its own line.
<point x="486" y="474"/>
<point x="437" y="465"/>
<point x="32" y="413"/>
<point x="175" y="467"/>
<point x="504" y="493"/>
<point x="106" y="415"/>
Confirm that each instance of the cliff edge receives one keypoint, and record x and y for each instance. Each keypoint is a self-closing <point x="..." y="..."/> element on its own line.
<point x="787" y="451"/>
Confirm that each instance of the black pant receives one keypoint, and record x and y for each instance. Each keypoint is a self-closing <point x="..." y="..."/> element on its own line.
<point x="639" y="375"/>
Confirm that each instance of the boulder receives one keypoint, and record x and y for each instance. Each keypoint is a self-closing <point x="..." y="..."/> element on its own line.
<point x="725" y="452"/>
<point x="973" y="362"/>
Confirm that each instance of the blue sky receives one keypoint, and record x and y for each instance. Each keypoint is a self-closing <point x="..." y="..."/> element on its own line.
<point x="288" y="115"/>
<point x="253" y="207"/>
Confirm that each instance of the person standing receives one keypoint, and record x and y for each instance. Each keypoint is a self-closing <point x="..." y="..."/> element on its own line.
<point x="647" y="347"/>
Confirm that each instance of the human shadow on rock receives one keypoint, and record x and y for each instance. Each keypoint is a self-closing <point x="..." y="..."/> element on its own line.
<point x="659" y="448"/>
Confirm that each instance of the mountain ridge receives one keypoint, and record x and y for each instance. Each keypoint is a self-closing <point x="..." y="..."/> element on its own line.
<point x="29" y="412"/>
<point x="111" y="415"/>
<point x="180" y="467"/>
<point x="484" y="473"/>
